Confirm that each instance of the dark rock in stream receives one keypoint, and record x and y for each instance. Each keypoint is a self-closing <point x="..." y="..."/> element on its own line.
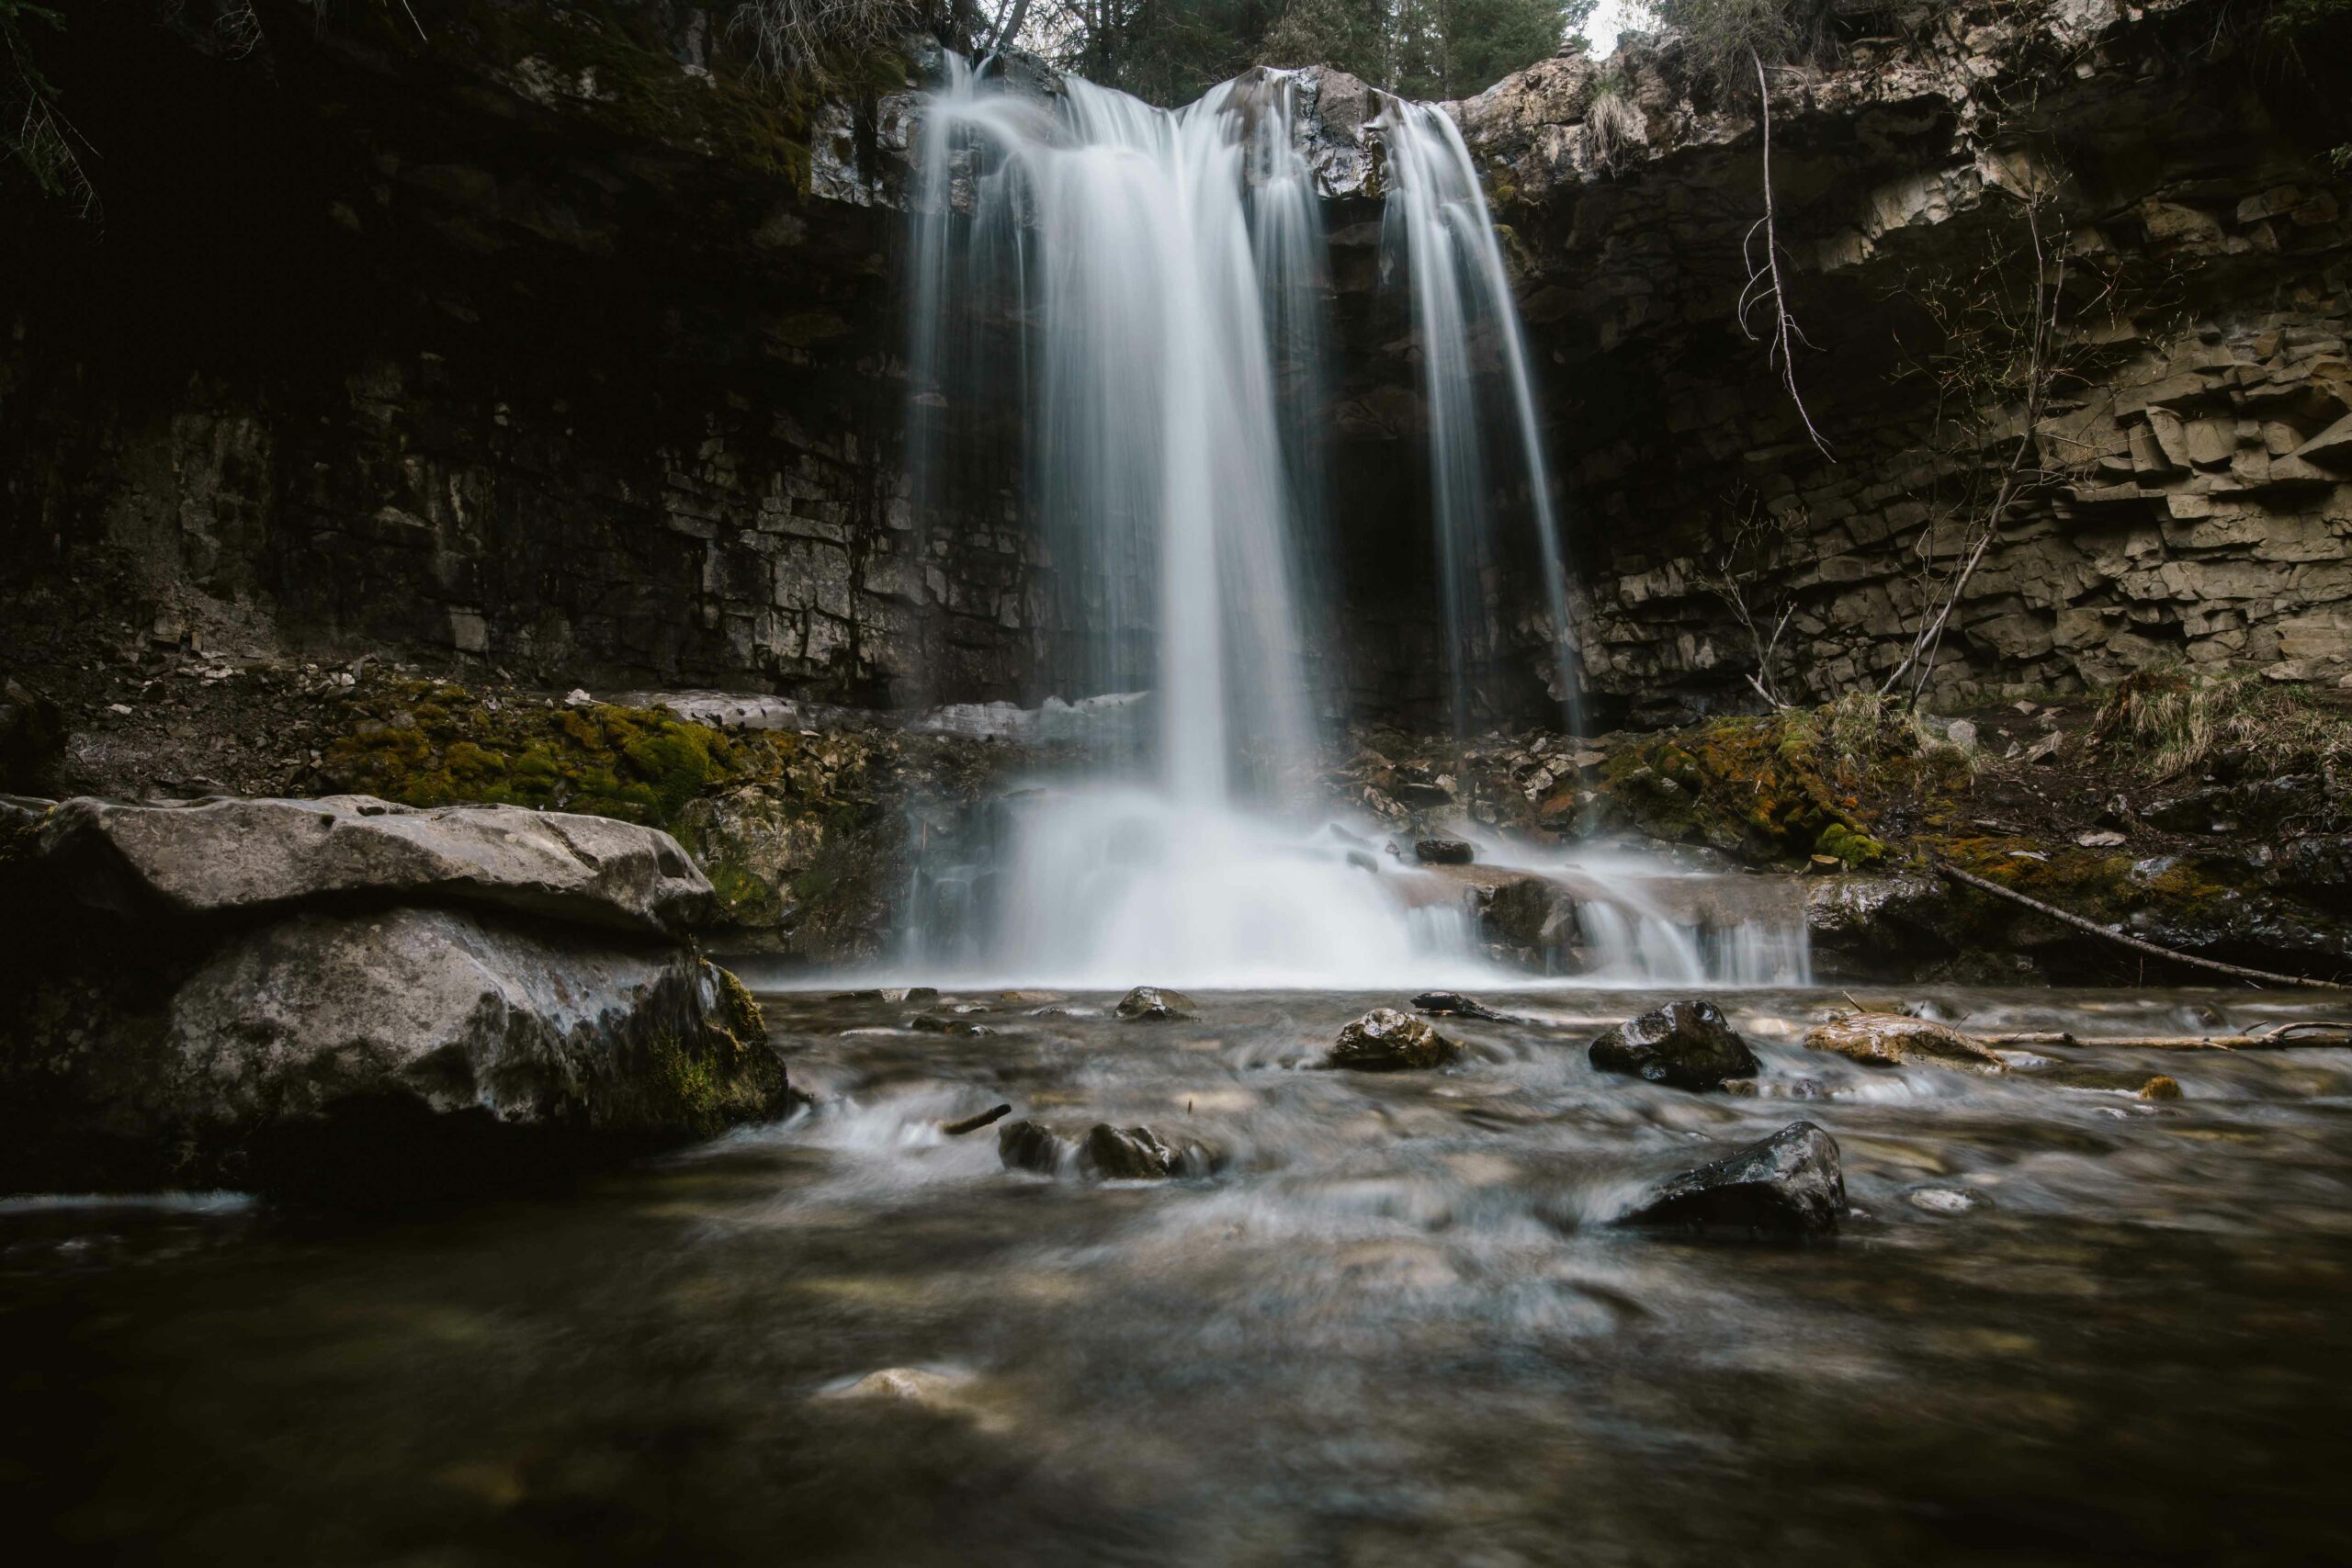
<point x="947" y="1023"/>
<point x="1128" y="1153"/>
<point x="1786" y="1185"/>
<point x="1685" y="1045"/>
<point x="1384" y="1040"/>
<point x="1150" y="1004"/>
<point x="1105" y="1153"/>
<point x="1030" y="1145"/>
<point x="1454" y="1004"/>
<point x="1444" y="852"/>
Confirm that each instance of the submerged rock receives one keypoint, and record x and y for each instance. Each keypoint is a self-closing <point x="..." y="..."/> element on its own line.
<point x="1454" y="1004"/>
<point x="1788" y="1184"/>
<point x="1384" y="1040"/>
<point x="1684" y="1044"/>
<point x="1128" y="1153"/>
<point x="234" y="857"/>
<point x="1889" y="1040"/>
<point x="1150" y="1004"/>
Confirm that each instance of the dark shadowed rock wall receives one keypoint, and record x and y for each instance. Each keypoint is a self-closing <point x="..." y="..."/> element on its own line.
<point x="550" y="346"/>
<point x="540" y="346"/>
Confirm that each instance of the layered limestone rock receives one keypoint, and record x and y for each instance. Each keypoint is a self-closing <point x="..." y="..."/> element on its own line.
<point x="346" y="999"/>
<point x="2189" y="491"/>
<point x="226" y="858"/>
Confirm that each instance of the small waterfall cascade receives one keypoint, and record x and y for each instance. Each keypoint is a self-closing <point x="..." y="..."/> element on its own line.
<point x="1126" y="306"/>
<point x="1480" y="400"/>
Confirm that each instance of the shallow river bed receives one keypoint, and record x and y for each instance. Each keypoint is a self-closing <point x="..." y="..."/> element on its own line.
<point x="2062" y="1323"/>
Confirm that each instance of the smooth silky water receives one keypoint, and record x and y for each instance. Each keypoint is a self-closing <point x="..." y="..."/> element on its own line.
<point x="2063" y="1325"/>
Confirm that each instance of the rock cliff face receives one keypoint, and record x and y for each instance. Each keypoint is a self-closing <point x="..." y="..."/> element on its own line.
<point x="2189" y="488"/>
<point x="549" y="347"/>
<point x="539" y="344"/>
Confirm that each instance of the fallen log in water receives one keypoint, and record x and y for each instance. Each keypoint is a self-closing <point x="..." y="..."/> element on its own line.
<point x="2269" y="1037"/>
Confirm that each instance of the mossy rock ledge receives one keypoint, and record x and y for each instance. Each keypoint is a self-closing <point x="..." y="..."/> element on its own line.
<point x="348" y="1002"/>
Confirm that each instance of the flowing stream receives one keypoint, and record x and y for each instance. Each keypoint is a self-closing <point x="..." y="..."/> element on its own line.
<point x="2064" y="1324"/>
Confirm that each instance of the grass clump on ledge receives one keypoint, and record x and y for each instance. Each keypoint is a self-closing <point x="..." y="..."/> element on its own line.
<point x="2168" y="720"/>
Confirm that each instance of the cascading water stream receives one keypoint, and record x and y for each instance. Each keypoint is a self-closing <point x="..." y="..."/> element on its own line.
<point x="1460" y="304"/>
<point x="1145" y="290"/>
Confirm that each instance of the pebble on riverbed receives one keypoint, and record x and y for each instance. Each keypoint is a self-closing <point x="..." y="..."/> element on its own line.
<point x="1786" y="1185"/>
<point x="1384" y="1040"/>
<point x="1686" y="1044"/>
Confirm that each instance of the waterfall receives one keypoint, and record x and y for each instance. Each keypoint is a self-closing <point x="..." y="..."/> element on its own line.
<point x="1442" y="237"/>
<point x="1126" y="305"/>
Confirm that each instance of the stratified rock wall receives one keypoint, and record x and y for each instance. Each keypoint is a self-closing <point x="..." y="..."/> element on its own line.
<point x="548" y="346"/>
<point x="2192" y="491"/>
<point x="537" y="345"/>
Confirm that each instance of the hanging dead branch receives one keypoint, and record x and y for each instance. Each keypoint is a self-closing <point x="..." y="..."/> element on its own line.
<point x="1763" y="290"/>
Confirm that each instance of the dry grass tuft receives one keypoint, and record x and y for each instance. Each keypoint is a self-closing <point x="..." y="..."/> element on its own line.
<point x="2166" y="720"/>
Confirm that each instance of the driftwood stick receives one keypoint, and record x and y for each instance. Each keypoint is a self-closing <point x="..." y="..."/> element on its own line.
<point x="2269" y="1037"/>
<point x="974" y="1124"/>
<point x="2235" y="971"/>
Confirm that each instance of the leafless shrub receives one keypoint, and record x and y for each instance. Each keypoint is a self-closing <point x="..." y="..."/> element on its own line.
<point x="816" y="40"/>
<point x="2018" y="331"/>
<point x="1739" y="574"/>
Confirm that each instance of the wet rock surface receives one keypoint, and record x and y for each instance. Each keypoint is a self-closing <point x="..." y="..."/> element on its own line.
<point x="1889" y="1040"/>
<point x="1029" y="1146"/>
<point x="1684" y="1044"/>
<point x="1384" y="1040"/>
<point x="1152" y="1004"/>
<point x="1787" y="1185"/>
<point x="1128" y="1153"/>
<point x="1454" y="1004"/>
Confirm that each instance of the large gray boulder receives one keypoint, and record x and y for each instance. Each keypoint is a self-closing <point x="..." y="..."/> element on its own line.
<point x="234" y="857"/>
<point x="458" y="1013"/>
<point x="377" y="1060"/>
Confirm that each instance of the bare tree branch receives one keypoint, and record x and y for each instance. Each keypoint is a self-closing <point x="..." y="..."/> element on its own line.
<point x="1763" y="285"/>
